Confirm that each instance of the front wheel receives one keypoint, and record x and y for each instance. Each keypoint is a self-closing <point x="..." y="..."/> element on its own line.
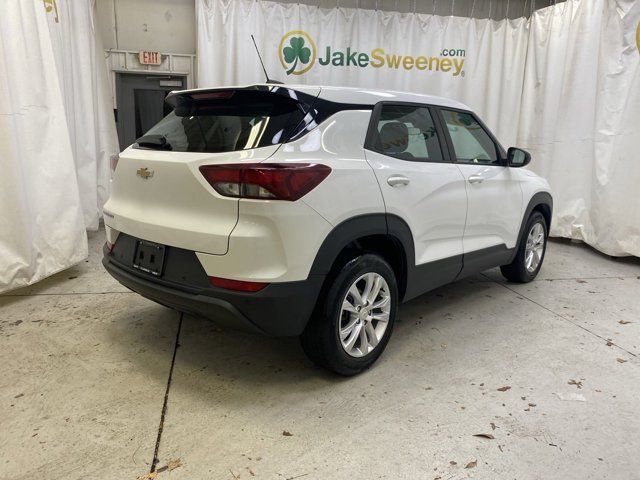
<point x="528" y="260"/>
<point x="353" y="322"/>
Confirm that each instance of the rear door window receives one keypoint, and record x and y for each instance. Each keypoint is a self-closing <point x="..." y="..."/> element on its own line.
<point x="406" y="132"/>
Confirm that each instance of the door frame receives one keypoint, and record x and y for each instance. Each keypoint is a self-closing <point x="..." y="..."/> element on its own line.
<point x="127" y="61"/>
<point x="126" y="101"/>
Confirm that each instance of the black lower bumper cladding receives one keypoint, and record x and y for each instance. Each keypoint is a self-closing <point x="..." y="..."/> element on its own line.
<point x="280" y="309"/>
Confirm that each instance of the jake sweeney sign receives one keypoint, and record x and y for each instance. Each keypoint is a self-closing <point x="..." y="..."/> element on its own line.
<point x="469" y="59"/>
<point x="298" y="53"/>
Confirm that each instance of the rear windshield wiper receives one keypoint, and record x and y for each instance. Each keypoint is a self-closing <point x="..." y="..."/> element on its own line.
<point x="155" y="142"/>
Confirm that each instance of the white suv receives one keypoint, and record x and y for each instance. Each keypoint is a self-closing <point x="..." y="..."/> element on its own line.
<point x="314" y="211"/>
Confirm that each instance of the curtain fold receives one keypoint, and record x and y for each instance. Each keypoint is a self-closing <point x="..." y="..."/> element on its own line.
<point x="581" y="119"/>
<point x="57" y="133"/>
<point x="42" y="230"/>
<point x="83" y="77"/>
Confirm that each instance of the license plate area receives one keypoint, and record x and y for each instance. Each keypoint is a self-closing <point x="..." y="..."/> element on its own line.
<point x="149" y="257"/>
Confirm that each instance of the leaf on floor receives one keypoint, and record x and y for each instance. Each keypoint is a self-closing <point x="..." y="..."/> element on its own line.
<point x="575" y="382"/>
<point x="471" y="464"/>
<point x="148" y="476"/>
<point x="287" y="434"/>
<point x="621" y="360"/>
<point x="493" y="426"/>
<point x="504" y="389"/>
<point x="484" y="435"/>
<point x="171" y="465"/>
<point x="624" y="322"/>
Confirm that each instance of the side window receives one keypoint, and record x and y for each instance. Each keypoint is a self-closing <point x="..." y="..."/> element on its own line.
<point x="406" y="132"/>
<point x="471" y="142"/>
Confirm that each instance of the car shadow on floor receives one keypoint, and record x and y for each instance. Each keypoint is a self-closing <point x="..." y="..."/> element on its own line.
<point x="210" y="359"/>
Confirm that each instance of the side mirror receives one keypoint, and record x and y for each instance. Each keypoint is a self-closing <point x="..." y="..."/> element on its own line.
<point x="516" y="157"/>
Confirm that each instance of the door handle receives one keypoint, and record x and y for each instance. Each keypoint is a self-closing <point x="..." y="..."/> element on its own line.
<point x="397" y="180"/>
<point x="476" y="178"/>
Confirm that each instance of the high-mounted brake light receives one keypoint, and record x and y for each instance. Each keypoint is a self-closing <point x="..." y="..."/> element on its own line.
<point x="265" y="181"/>
<point x="221" y="94"/>
<point x="237" y="285"/>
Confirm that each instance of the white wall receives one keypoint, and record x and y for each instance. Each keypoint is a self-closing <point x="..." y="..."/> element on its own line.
<point x="167" y="26"/>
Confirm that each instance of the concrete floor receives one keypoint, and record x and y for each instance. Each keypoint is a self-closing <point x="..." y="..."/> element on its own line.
<point x="549" y="369"/>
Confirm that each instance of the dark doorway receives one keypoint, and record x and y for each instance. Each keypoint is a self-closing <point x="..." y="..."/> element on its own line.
<point x="141" y="103"/>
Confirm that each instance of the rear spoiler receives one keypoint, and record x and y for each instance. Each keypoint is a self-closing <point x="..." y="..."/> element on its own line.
<point x="181" y="97"/>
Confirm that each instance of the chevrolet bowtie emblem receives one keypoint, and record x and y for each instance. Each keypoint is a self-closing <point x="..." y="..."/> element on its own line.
<point x="144" y="173"/>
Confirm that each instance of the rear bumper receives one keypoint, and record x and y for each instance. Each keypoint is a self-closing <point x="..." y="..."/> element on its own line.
<point x="280" y="309"/>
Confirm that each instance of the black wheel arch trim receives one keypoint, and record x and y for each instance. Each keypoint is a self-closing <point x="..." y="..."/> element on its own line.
<point x="355" y="228"/>
<point x="414" y="279"/>
<point x="540" y="199"/>
<point x="361" y="226"/>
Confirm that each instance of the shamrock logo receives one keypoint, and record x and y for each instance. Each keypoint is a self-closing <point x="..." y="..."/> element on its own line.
<point x="296" y="51"/>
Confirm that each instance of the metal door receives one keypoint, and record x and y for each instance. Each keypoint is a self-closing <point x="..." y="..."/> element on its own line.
<point x="140" y="99"/>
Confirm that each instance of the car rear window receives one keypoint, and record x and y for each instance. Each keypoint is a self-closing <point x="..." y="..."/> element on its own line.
<point x="227" y="120"/>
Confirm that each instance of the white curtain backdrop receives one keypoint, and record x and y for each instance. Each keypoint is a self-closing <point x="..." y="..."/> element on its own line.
<point x="41" y="223"/>
<point x="56" y="135"/>
<point x="581" y="119"/>
<point x="565" y="85"/>
<point x="491" y="53"/>
<point x="85" y="87"/>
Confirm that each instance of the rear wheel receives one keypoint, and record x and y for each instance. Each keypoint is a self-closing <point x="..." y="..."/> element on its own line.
<point x="353" y="322"/>
<point x="528" y="260"/>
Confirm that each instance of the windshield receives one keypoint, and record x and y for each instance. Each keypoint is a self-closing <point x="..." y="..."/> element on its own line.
<point x="227" y="121"/>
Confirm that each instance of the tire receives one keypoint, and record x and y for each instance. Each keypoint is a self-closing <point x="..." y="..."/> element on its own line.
<point x="520" y="270"/>
<point x="321" y="339"/>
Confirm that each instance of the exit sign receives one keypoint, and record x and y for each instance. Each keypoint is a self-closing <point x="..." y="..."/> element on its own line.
<point x="150" y="58"/>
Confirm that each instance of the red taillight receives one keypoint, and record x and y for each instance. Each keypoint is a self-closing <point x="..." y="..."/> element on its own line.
<point x="237" y="285"/>
<point x="265" y="181"/>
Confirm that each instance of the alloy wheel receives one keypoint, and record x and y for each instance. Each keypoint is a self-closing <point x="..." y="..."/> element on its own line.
<point x="364" y="315"/>
<point x="534" y="247"/>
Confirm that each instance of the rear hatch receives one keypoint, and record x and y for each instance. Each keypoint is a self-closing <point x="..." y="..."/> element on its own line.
<point x="158" y="191"/>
